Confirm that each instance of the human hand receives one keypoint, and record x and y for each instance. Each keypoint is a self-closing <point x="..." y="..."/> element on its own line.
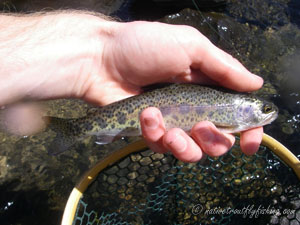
<point x="144" y="53"/>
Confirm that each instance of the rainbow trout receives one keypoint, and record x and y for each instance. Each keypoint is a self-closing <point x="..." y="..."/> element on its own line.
<point x="182" y="105"/>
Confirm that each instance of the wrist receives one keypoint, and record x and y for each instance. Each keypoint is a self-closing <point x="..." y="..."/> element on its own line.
<point x="51" y="55"/>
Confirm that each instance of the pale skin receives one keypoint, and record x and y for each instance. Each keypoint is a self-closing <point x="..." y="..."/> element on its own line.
<point x="77" y="55"/>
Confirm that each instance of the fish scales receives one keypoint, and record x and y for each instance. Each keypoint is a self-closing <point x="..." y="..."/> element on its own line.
<point x="125" y="113"/>
<point x="182" y="105"/>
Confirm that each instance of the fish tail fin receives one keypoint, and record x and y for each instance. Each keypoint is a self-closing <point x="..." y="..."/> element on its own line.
<point x="65" y="136"/>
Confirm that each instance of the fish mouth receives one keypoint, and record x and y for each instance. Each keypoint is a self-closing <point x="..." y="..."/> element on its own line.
<point x="270" y="118"/>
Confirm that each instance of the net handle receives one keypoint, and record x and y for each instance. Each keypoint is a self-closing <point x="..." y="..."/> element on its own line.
<point x="282" y="152"/>
<point x="70" y="210"/>
<point x="90" y="175"/>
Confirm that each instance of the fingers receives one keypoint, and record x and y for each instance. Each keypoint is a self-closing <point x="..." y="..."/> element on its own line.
<point x="206" y="138"/>
<point x="212" y="141"/>
<point x="153" y="129"/>
<point x="182" y="146"/>
<point x="250" y="140"/>
<point x="222" y="67"/>
<point x="176" y="140"/>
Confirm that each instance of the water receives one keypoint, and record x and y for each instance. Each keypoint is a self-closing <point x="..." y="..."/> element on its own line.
<point x="264" y="35"/>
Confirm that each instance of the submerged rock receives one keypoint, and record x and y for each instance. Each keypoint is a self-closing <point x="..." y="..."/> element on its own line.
<point x="190" y="3"/>
<point x="274" y="13"/>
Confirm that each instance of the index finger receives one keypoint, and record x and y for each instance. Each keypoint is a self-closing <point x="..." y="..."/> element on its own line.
<point x="221" y="67"/>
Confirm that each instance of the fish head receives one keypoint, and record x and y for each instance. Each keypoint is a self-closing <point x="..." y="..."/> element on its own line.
<point x="254" y="112"/>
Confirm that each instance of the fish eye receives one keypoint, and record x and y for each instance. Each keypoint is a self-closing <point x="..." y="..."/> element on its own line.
<point x="267" y="108"/>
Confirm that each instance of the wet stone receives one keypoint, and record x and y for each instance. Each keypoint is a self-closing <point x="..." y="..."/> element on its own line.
<point x="123" y="172"/>
<point x="142" y="178"/>
<point x="296" y="203"/>
<point x="157" y="164"/>
<point x="291" y="216"/>
<point x="146" y="161"/>
<point x="122" y="181"/>
<point x="135" y="158"/>
<point x="112" y="179"/>
<point x="227" y="178"/>
<point x="157" y="156"/>
<point x="147" y="153"/>
<point x="274" y="219"/>
<point x="134" y="166"/>
<point x="132" y="175"/>
<point x="298" y="215"/>
<point x="112" y="188"/>
<point x="102" y="178"/>
<point x="124" y="163"/>
<point x="144" y="170"/>
<point x="112" y="170"/>
<point x="3" y="167"/>
<point x="294" y="222"/>
<point x="121" y="189"/>
<point x="150" y="180"/>
<point x="283" y="199"/>
<point x="284" y="221"/>
<point x="131" y="183"/>
<point x="287" y="129"/>
<point x="268" y="182"/>
<point x="166" y="160"/>
<point x="164" y="168"/>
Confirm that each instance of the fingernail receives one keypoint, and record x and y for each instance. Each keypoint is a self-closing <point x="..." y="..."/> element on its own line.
<point x="151" y="122"/>
<point x="205" y="136"/>
<point x="258" y="78"/>
<point x="178" y="144"/>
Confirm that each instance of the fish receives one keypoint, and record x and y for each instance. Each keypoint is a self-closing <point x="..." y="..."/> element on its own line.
<point x="181" y="105"/>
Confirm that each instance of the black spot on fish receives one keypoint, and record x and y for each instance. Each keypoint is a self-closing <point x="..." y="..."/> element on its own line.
<point x="101" y="122"/>
<point x="132" y="122"/>
<point x="88" y="126"/>
<point x="199" y="110"/>
<point x="130" y="109"/>
<point x="175" y="117"/>
<point x="166" y="111"/>
<point x="121" y="117"/>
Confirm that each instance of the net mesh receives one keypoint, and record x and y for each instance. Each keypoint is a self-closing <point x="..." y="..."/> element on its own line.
<point x="152" y="188"/>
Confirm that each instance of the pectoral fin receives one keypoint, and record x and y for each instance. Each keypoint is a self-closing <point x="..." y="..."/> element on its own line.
<point x="226" y="128"/>
<point x="129" y="132"/>
<point x="107" y="138"/>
